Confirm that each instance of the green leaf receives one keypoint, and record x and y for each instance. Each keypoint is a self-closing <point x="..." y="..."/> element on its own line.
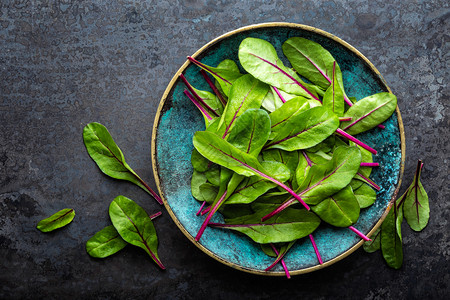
<point x="289" y="159"/>
<point x="375" y="243"/>
<point x="305" y="130"/>
<point x="109" y="158"/>
<point x="135" y="226"/>
<point x="199" y="163"/>
<point x="213" y="175"/>
<point x="289" y="109"/>
<point x="271" y="102"/>
<point x="291" y="224"/>
<point x="416" y="207"/>
<point x="259" y="58"/>
<point x="105" y="243"/>
<point x="340" y="209"/>
<point x="369" y="112"/>
<point x="334" y="97"/>
<point x="391" y="241"/>
<point x="57" y="220"/>
<point x="246" y="92"/>
<point x="365" y="195"/>
<point x="325" y="180"/>
<point x="208" y="192"/>
<point x="251" y="131"/>
<point x="213" y="102"/>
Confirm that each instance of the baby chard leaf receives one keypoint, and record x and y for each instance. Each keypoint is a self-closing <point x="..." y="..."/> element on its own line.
<point x="305" y="130"/>
<point x="340" y="209"/>
<point x="416" y="207"/>
<point x="109" y="158"/>
<point x="259" y="58"/>
<point x="57" y="220"/>
<point x="391" y="238"/>
<point x="105" y="243"/>
<point x="281" y="115"/>
<point x="369" y="112"/>
<point x="365" y="196"/>
<point x="374" y="244"/>
<point x="334" y="96"/>
<point x="135" y="226"/>
<point x="291" y="225"/>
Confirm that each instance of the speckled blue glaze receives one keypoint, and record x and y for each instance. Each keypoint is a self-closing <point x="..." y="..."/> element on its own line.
<point x="180" y="120"/>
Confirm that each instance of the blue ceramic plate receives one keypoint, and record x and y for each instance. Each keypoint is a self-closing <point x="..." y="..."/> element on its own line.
<point x="177" y="120"/>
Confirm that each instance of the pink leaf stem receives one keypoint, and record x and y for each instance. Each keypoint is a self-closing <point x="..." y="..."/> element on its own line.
<point x="359" y="233"/>
<point x="315" y="249"/>
<point x="205" y="67"/>
<point x="345" y="119"/>
<point x="205" y="211"/>
<point x="213" y="87"/>
<point x="364" y="164"/>
<point x="356" y="141"/>
<point x="381" y="126"/>
<point x="209" y="216"/>
<point x="279" y="94"/>
<point x="373" y="184"/>
<point x="282" y="262"/>
<point x="155" y="215"/>
<point x="200" y="209"/>
<point x="189" y="86"/>
<point x="204" y="112"/>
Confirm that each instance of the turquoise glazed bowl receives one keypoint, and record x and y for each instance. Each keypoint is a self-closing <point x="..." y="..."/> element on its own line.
<point x="177" y="120"/>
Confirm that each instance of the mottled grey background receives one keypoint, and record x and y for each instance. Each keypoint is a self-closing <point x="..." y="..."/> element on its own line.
<point x="64" y="64"/>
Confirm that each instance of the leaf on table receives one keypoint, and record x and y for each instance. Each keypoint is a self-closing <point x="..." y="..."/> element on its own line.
<point x="105" y="243"/>
<point x="57" y="220"/>
<point x="375" y="243"/>
<point x="391" y="239"/>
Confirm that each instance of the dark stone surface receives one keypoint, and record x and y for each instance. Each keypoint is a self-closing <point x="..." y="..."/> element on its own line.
<point x="66" y="63"/>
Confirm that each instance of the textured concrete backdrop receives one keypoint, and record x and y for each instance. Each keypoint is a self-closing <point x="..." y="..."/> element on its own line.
<point x="66" y="63"/>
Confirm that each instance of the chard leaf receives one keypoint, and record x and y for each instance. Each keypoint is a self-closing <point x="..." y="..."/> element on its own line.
<point x="391" y="239"/>
<point x="365" y="195"/>
<point x="57" y="220"/>
<point x="289" y="109"/>
<point x="305" y="130"/>
<point x="199" y="163"/>
<point x="289" y="159"/>
<point x="109" y="158"/>
<point x="281" y="253"/>
<point x="311" y="61"/>
<point x="253" y="187"/>
<point x="105" y="243"/>
<point x="246" y="92"/>
<point x="251" y="131"/>
<point x="334" y="96"/>
<point x="340" y="209"/>
<point x="416" y="207"/>
<point x="135" y="226"/>
<point x="259" y="58"/>
<point x="225" y="74"/>
<point x="211" y="100"/>
<point x="291" y="225"/>
<point x="271" y="102"/>
<point x="369" y="112"/>
<point x="213" y="175"/>
<point x="208" y="192"/>
<point x="197" y="180"/>
<point x="375" y="243"/>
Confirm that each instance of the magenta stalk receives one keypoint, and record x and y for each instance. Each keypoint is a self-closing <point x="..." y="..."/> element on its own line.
<point x="282" y="261"/>
<point x="204" y="112"/>
<point x="370" y="182"/>
<point x="361" y="235"/>
<point x="200" y="209"/>
<point x="189" y="86"/>
<point x="363" y="164"/>
<point x="279" y="94"/>
<point x="155" y="215"/>
<point x="319" y="258"/>
<point x="209" y="216"/>
<point x="356" y="141"/>
<point x="213" y="87"/>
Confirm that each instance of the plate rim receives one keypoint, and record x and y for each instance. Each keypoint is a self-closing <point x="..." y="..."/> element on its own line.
<point x="158" y="118"/>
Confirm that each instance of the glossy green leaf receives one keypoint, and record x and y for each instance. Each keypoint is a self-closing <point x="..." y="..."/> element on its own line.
<point x="416" y="207"/>
<point x="197" y="180"/>
<point x="135" y="226"/>
<point x="259" y="58"/>
<point x="375" y="243"/>
<point x="57" y="220"/>
<point x="289" y="159"/>
<point x="208" y="192"/>
<point x="305" y="130"/>
<point x="369" y="112"/>
<point x="199" y="163"/>
<point x="251" y="131"/>
<point x="334" y="97"/>
<point x="271" y="102"/>
<point x="105" y="243"/>
<point x="109" y="158"/>
<point x="289" y="109"/>
<point x="365" y="195"/>
<point x="246" y="93"/>
<point x="213" y="175"/>
<point x="340" y="209"/>
<point x="391" y="241"/>
<point x="290" y="225"/>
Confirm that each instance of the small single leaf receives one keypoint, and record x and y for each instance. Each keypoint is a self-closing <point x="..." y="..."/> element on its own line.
<point x="197" y="180"/>
<point x="289" y="109"/>
<point x="365" y="195"/>
<point x="334" y="97"/>
<point x="135" y="226"/>
<point x="391" y="241"/>
<point x="340" y="209"/>
<point x="305" y="130"/>
<point x="290" y="225"/>
<point x="109" y="158"/>
<point x="105" y="243"/>
<point x="375" y="243"/>
<point x="290" y="159"/>
<point x="208" y="192"/>
<point x="416" y="207"/>
<point x="369" y="112"/>
<point x="259" y="58"/>
<point x="57" y="220"/>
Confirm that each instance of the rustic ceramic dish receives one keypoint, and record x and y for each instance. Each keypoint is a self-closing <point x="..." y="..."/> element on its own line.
<point x="177" y="120"/>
